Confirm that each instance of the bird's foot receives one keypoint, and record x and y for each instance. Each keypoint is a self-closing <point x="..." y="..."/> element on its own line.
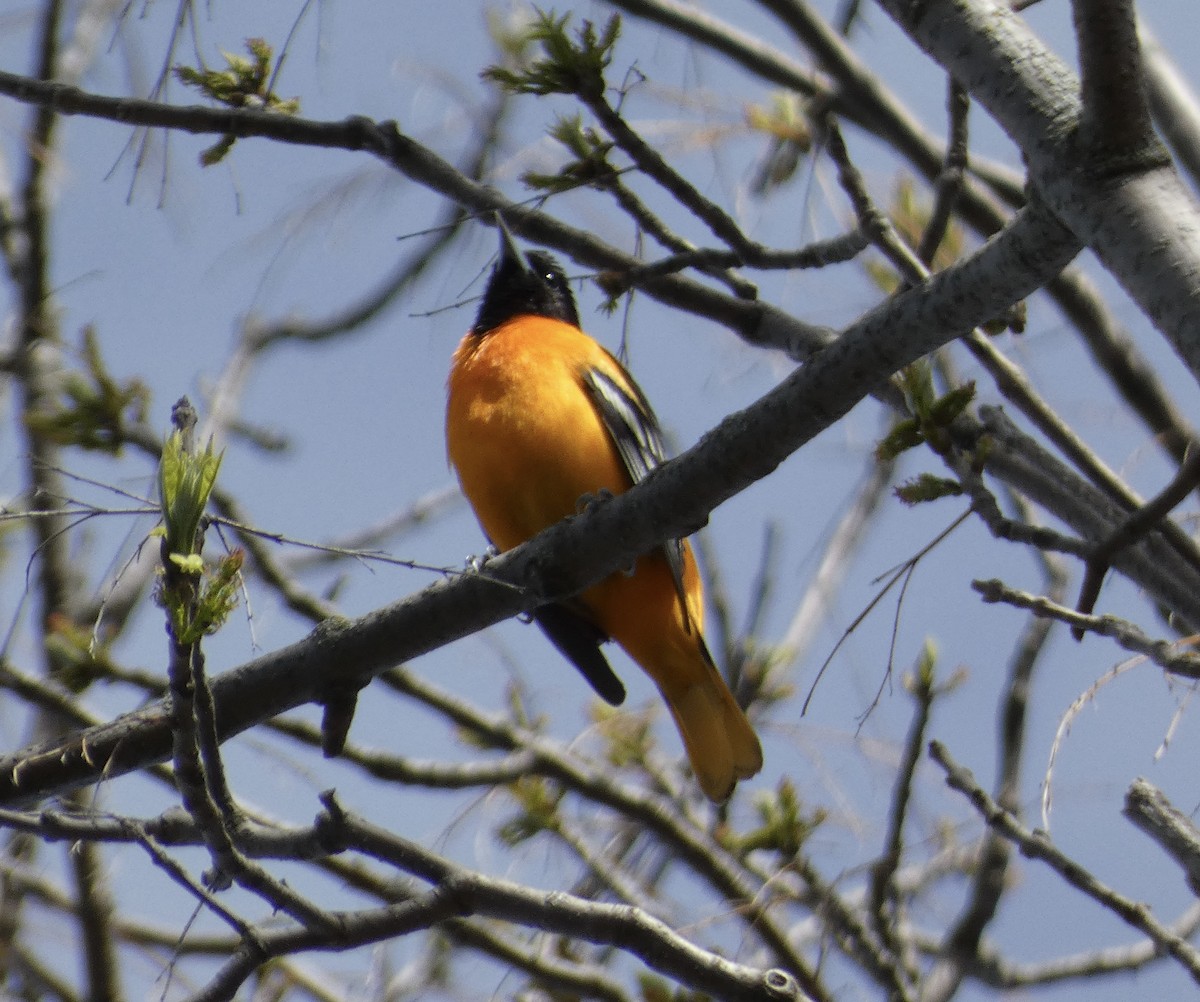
<point x="475" y="564"/>
<point x="588" y="501"/>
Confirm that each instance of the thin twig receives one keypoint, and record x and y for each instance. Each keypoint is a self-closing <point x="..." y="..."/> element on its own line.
<point x="883" y="902"/>
<point x="949" y="183"/>
<point x="1037" y="845"/>
<point x="1171" y="655"/>
<point x="1134" y="528"/>
<point x="651" y="940"/>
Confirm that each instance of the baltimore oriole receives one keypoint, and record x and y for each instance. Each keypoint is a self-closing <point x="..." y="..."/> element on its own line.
<point x="539" y="417"/>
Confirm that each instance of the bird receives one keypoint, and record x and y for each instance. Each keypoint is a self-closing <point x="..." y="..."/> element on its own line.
<point x="541" y="419"/>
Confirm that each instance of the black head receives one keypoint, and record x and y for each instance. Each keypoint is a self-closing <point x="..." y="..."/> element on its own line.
<point x="531" y="283"/>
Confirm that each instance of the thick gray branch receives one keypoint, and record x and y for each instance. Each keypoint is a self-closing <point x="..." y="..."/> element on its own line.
<point x="1148" y="808"/>
<point x="674" y="501"/>
<point x="1131" y="209"/>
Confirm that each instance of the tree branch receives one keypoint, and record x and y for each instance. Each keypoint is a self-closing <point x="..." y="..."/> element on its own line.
<point x="1116" y="116"/>
<point x="1132" y="210"/>
<point x="1037" y="845"/>
<point x="1148" y="808"/>
<point x="568" y="557"/>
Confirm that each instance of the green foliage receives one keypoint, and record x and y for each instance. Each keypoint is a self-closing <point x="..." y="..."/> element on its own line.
<point x="784" y="119"/>
<point x="509" y="30"/>
<point x="628" y="734"/>
<point x="785" y="827"/>
<point x="537" y="810"/>
<point x="518" y="711"/>
<point x="244" y="83"/>
<point x="922" y="681"/>
<point x="927" y="487"/>
<point x="93" y="407"/>
<point x="910" y="215"/>
<point x="567" y="66"/>
<point x="198" y="598"/>
<point x="930" y="415"/>
<point x="951" y="404"/>
<point x="928" y="423"/>
<point x="1013" y="319"/>
<point x="185" y="481"/>
<point x="919" y="391"/>
<point x="765" y="670"/>
<point x="215" y="599"/>
<point x="905" y="435"/>
<point x="439" y="959"/>
<point x="925" y="674"/>
<point x="77" y="656"/>
<point x="589" y="159"/>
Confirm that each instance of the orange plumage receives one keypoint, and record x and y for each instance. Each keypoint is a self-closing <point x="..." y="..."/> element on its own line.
<point x="539" y="415"/>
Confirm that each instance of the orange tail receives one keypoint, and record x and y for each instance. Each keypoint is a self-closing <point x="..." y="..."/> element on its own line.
<point x="720" y="742"/>
<point x="643" y="614"/>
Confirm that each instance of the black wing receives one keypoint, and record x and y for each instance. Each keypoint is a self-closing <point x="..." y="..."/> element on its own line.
<point x="637" y="435"/>
<point x="579" y="640"/>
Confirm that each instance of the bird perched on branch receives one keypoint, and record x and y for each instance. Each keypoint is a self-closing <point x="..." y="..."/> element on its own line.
<point x="539" y="416"/>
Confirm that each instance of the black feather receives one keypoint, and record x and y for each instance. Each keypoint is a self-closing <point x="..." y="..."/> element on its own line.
<point x="534" y="284"/>
<point x="637" y="435"/>
<point x="578" y="640"/>
<point x="525" y="284"/>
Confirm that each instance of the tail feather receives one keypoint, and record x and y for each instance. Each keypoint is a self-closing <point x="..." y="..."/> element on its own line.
<point x="664" y="636"/>
<point x="720" y="742"/>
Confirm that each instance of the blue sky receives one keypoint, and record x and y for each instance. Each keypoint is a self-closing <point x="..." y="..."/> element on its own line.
<point x="168" y="260"/>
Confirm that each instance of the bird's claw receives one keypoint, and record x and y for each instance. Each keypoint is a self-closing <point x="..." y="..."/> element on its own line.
<point x="588" y="501"/>
<point x="475" y="564"/>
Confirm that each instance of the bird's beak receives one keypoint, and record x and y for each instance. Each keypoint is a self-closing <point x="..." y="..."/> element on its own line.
<point x="509" y="251"/>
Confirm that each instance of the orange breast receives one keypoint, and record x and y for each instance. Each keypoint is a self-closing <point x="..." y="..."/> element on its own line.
<point x="521" y="431"/>
<point x="527" y="442"/>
